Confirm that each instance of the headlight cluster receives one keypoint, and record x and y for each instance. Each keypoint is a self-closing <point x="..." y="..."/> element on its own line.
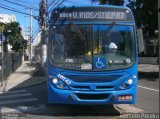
<point x="58" y="83"/>
<point x="128" y="83"/>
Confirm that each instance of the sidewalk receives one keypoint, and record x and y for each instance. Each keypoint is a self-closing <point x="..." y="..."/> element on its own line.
<point x="22" y="77"/>
<point x="148" y="68"/>
<point x="148" y="71"/>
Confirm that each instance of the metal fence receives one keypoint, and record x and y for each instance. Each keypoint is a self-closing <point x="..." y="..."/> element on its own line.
<point x="6" y="65"/>
<point x="16" y="61"/>
<point x="9" y="63"/>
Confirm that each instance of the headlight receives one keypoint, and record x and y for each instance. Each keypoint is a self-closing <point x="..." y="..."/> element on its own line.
<point x="58" y="83"/>
<point x="127" y="83"/>
<point x="130" y="81"/>
<point x="55" y="81"/>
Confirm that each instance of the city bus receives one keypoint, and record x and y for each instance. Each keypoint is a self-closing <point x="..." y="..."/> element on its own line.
<point x="92" y="56"/>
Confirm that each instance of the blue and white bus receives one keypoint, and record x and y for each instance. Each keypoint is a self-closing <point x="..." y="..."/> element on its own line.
<point x="92" y="55"/>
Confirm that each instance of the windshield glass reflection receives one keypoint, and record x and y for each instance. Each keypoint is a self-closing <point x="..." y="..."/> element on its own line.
<point x="92" y="47"/>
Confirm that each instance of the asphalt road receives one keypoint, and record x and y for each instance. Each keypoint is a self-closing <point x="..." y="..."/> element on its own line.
<point x="34" y="99"/>
<point x="148" y="95"/>
<point x="71" y="110"/>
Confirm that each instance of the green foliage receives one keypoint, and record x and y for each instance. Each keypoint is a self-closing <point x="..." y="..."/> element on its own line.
<point x="112" y="2"/>
<point x="12" y="32"/>
<point x="146" y="14"/>
<point x="2" y="27"/>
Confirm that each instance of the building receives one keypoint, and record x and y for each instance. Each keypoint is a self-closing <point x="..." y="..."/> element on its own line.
<point x="6" y="18"/>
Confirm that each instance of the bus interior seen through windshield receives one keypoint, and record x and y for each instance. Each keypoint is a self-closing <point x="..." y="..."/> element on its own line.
<point x="79" y="46"/>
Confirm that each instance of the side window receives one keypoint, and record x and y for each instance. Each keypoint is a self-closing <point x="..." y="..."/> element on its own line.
<point x="51" y="43"/>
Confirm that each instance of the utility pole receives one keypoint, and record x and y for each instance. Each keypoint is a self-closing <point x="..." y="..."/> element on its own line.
<point x="159" y="33"/>
<point x="44" y="34"/>
<point x="1" y="57"/>
<point x="44" y="21"/>
<point x="30" y="36"/>
<point x="30" y="45"/>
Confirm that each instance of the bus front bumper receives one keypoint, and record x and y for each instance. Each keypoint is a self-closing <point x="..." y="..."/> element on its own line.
<point x="59" y="96"/>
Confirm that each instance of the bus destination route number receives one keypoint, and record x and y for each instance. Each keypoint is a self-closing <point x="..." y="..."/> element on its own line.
<point x="117" y="15"/>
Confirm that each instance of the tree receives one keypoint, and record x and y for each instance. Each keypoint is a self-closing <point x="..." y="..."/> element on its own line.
<point x="2" y="27"/>
<point x="13" y="36"/>
<point x="146" y="14"/>
<point x="112" y="2"/>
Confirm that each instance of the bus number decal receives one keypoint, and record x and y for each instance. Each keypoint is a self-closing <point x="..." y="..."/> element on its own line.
<point x="64" y="79"/>
<point x="61" y="77"/>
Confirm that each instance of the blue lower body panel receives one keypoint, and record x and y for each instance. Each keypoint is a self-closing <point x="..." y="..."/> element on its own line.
<point x="59" y="96"/>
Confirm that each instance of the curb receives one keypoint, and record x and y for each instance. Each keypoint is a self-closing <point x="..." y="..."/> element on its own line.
<point x="127" y="108"/>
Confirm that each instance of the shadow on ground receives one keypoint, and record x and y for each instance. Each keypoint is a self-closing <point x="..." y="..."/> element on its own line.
<point x="151" y="76"/>
<point x="79" y="110"/>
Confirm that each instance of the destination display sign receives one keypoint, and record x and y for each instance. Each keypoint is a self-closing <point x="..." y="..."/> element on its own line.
<point x="92" y="14"/>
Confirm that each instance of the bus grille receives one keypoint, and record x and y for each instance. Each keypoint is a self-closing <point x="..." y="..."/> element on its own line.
<point x="92" y="96"/>
<point x="91" y="88"/>
<point x="93" y="79"/>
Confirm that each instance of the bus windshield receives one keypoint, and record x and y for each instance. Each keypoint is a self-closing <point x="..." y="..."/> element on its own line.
<point x="92" y="47"/>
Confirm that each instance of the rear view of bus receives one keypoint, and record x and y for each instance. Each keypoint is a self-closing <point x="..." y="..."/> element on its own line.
<point x="92" y="56"/>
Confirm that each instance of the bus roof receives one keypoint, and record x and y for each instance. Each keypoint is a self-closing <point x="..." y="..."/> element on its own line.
<point x="109" y="6"/>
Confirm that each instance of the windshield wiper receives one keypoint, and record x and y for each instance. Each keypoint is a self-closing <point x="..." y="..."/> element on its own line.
<point x="78" y="31"/>
<point x="109" y="31"/>
<point x="79" y="34"/>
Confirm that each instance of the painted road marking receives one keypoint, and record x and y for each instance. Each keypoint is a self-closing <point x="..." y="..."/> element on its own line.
<point x="15" y="95"/>
<point x="148" y="88"/>
<point x="18" y="101"/>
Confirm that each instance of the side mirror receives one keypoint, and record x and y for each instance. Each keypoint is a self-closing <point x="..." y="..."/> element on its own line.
<point x="141" y="43"/>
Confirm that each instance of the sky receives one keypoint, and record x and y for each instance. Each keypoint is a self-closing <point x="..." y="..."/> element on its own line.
<point x="25" y="5"/>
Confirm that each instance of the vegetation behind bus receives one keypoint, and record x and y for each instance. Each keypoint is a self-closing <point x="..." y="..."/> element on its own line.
<point x="146" y="17"/>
